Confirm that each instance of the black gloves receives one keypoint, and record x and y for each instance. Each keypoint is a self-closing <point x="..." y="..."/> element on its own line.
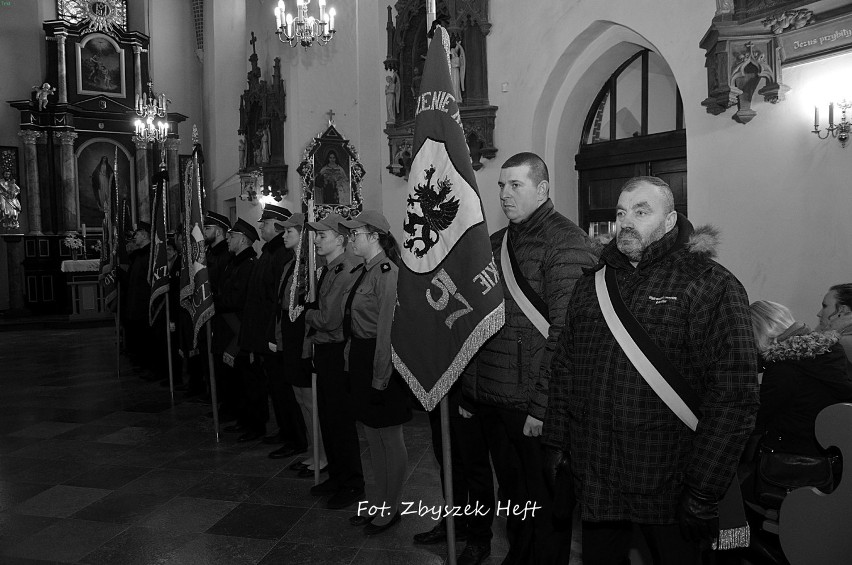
<point x="377" y="397"/>
<point x="698" y="515"/>
<point x="560" y="481"/>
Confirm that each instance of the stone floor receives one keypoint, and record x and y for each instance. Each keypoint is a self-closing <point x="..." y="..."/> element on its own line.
<point x="100" y="470"/>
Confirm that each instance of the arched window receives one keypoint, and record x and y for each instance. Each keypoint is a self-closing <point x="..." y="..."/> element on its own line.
<point x="634" y="127"/>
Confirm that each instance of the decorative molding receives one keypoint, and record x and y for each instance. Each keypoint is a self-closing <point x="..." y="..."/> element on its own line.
<point x="140" y="143"/>
<point x="29" y="136"/>
<point x="66" y="137"/>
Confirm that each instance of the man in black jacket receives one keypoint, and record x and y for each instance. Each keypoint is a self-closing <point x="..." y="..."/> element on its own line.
<point x="140" y="344"/>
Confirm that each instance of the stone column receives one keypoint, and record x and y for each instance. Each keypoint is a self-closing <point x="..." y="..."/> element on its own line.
<point x="33" y="197"/>
<point x="143" y="180"/>
<point x="137" y="69"/>
<point x="68" y="181"/>
<point x="62" y="87"/>
<point x="174" y="195"/>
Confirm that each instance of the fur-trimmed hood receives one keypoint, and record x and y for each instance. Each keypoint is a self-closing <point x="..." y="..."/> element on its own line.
<point x="703" y="241"/>
<point x="799" y="347"/>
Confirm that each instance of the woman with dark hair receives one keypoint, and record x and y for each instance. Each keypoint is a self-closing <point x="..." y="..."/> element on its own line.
<point x="379" y="396"/>
<point x="333" y="180"/>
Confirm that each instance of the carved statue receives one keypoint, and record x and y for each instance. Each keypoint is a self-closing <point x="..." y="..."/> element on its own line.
<point x="724" y="7"/>
<point x="457" y="68"/>
<point x="264" y="145"/>
<point x="789" y="20"/>
<point x="102" y="178"/>
<point x="242" y="150"/>
<point x="10" y="208"/>
<point x="415" y="82"/>
<point x="42" y="92"/>
<point x="392" y="96"/>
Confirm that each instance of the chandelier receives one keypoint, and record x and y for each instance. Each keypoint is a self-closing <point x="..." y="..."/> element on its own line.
<point x="149" y="107"/>
<point x="302" y="29"/>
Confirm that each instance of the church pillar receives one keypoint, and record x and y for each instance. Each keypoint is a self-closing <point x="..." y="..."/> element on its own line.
<point x="174" y="195"/>
<point x="63" y="73"/>
<point x="33" y="197"/>
<point x="143" y="180"/>
<point x="68" y="181"/>
<point x="137" y="69"/>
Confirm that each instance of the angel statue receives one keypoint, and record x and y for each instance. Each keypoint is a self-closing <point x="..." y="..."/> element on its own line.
<point x="392" y="96"/>
<point x="42" y="92"/>
<point x="10" y="208"/>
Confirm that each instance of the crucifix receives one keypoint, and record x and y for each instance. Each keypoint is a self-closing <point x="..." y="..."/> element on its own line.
<point x="253" y="40"/>
<point x="330" y="117"/>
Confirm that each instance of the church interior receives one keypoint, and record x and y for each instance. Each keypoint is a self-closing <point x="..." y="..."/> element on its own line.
<point x="742" y="106"/>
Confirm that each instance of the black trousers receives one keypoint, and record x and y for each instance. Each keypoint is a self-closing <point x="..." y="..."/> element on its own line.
<point x="608" y="543"/>
<point x="337" y="422"/>
<point x="291" y="424"/>
<point x="519" y="464"/>
<point x="254" y="411"/>
<point x="473" y="482"/>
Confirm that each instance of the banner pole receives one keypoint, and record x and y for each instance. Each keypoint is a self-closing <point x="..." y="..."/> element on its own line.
<point x="313" y="292"/>
<point x="213" y="397"/>
<point x="446" y="447"/>
<point x="118" y="328"/>
<point x="169" y="351"/>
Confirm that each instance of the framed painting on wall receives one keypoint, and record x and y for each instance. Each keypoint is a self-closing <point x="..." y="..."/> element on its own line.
<point x="100" y="66"/>
<point x="331" y="175"/>
<point x="95" y="173"/>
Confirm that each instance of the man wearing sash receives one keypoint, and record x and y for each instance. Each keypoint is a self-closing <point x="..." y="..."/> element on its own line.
<point x="539" y="255"/>
<point x="652" y="424"/>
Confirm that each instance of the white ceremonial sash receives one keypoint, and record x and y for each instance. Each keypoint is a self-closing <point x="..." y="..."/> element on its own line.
<point x="637" y="357"/>
<point x="530" y="311"/>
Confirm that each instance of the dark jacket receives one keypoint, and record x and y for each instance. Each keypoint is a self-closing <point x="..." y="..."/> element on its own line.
<point x="512" y="369"/>
<point x="289" y="336"/>
<point x="138" y="287"/>
<point x="218" y="258"/>
<point x="631" y="455"/>
<point x="230" y="301"/>
<point x="259" y="310"/>
<point x="803" y="375"/>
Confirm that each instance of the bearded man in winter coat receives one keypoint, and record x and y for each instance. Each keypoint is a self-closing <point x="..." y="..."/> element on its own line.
<point x="505" y="387"/>
<point x="633" y="461"/>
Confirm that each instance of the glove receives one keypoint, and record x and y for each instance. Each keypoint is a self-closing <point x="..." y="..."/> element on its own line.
<point x="698" y="515"/>
<point x="377" y="397"/>
<point x="560" y="481"/>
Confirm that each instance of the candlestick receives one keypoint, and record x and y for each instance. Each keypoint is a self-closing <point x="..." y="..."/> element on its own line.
<point x="277" y="17"/>
<point x="831" y="114"/>
<point x="816" y="117"/>
<point x="331" y="13"/>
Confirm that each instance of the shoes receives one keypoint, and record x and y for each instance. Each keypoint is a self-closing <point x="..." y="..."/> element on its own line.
<point x="234" y="428"/>
<point x="249" y="436"/>
<point x="438" y="534"/>
<point x="304" y="473"/>
<point x="474" y="554"/>
<point x="344" y="497"/>
<point x="287" y="451"/>
<point x="358" y="520"/>
<point x="297" y="466"/>
<point x="372" y="529"/>
<point x="273" y="439"/>
<point x="326" y="487"/>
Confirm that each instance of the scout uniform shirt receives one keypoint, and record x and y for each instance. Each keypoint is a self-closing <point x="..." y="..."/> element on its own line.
<point x="372" y="312"/>
<point x="327" y="319"/>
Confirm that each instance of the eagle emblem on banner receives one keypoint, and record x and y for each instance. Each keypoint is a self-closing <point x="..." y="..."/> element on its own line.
<point x="438" y="209"/>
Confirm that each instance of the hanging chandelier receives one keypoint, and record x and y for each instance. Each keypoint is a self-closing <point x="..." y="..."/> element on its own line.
<point x="302" y="29"/>
<point x="148" y="107"/>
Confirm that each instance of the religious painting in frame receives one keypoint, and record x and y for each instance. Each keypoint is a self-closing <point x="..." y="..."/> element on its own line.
<point x="331" y="175"/>
<point x="100" y="66"/>
<point x="96" y="168"/>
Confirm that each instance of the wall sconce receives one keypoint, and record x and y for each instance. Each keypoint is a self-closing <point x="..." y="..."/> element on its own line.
<point x="839" y="130"/>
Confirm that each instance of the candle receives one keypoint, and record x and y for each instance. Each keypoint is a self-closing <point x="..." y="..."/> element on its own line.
<point x="290" y="25"/>
<point x="277" y="17"/>
<point x="831" y="114"/>
<point x="331" y="14"/>
<point x="84" y="230"/>
<point x="816" y="117"/>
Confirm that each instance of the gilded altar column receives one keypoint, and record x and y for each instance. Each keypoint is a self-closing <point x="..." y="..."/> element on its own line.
<point x="63" y="72"/>
<point x="33" y="197"/>
<point x="137" y="69"/>
<point x="174" y="195"/>
<point x="143" y="180"/>
<point x="68" y="180"/>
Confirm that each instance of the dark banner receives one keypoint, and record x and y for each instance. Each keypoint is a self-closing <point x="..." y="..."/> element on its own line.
<point x="158" y="267"/>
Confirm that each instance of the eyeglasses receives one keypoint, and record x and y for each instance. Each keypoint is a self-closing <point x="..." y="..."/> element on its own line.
<point x="356" y="233"/>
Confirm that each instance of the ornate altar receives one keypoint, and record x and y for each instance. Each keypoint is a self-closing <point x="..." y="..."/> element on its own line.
<point x="261" y="134"/>
<point x="467" y="23"/>
<point x="77" y="133"/>
<point x="750" y="41"/>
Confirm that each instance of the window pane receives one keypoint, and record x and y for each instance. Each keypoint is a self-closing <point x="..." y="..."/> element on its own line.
<point x="662" y="95"/>
<point x="628" y="94"/>
<point x="600" y="125"/>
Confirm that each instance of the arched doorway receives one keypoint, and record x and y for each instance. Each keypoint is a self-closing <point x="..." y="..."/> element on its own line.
<point x="634" y="127"/>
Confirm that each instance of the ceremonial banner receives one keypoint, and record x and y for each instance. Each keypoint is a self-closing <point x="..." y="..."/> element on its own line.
<point x="450" y="298"/>
<point x="195" y="290"/>
<point x="108" y="275"/>
<point x="158" y="266"/>
<point x="125" y="224"/>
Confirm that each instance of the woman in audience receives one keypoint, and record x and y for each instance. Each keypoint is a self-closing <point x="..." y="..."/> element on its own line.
<point x="804" y="372"/>
<point x="378" y="394"/>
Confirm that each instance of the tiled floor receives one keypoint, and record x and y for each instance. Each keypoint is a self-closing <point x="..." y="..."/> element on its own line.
<point x="100" y="470"/>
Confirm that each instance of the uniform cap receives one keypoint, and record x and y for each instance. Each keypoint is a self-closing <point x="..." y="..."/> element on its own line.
<point x="214" y="219"/>
<point x="297" y="219"/>
<point x="332" y="222"/>
<point x="273" y="212"/>
<point x="372" y="218"/>
<point x="245" y="228"/>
